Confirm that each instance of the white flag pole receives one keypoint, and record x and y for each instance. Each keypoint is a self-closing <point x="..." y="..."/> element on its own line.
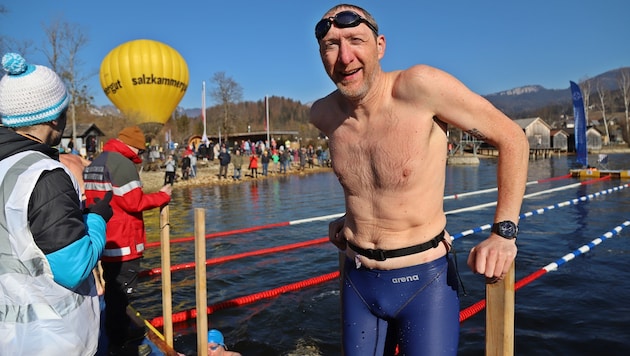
<point x="267" y="119"/>
<point x="204" y="138"/>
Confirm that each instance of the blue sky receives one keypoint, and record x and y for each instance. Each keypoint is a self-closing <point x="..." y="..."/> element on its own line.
<point x="268" y="47"/>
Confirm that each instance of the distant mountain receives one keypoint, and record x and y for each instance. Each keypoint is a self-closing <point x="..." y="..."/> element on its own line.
<point x="528" y="98"/>
<point x="113" y="111"/>
<point x="104" y="110"/>
<point x="533" y="97"/>
<point x="194" y="112"/>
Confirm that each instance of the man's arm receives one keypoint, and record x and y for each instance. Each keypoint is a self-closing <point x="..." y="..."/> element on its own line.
<point x="71" y="245"/>
<point x="493" y="256"/>
<point x="455" y="104"/>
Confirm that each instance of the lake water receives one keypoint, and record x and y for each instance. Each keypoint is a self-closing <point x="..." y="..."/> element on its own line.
<point x="580" y="309"/>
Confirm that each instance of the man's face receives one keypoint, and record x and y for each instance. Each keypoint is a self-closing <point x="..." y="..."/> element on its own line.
<point x="58" y="126"/>
<point x="350" y="57"/>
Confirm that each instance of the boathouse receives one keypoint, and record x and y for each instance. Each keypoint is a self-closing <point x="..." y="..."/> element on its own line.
<point x="593" y="139"/>
<point x="560" y="140"/>
<point x="87" y="137"/>
<point x="538" y="132"/>
<point x="254" y="136"/>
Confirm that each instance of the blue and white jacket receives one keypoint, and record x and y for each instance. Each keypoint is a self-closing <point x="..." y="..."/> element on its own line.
<point x="48" y="250"/>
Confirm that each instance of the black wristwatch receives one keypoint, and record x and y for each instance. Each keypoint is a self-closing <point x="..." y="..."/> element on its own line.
<point x="506" y="229"/>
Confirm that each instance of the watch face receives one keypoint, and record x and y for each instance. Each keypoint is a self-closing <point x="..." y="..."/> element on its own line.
<point x="506" y="229"/>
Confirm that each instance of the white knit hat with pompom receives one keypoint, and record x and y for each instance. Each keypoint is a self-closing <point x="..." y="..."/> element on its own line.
<point x="30" y="94"/>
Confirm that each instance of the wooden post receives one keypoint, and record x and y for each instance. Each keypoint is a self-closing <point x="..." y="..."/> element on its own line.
<point x="500" y="316"/>
<point x="200" y="282"/>
<point x="165" y="249"/>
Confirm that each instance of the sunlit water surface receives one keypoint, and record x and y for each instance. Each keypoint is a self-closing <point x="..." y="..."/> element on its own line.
<point x="580" y="309"/>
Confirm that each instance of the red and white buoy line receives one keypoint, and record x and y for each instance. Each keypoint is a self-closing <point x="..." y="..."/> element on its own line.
<point x="480" y="305"/>
<point x="334" y="216"/>
<point x="476" y="192"/>
<point x="249" y="229"/>
<point x="217" y="260"/>
<point x="548" y="208"/>
<point x="526" y="196"/>
<point x="464" y="314"/>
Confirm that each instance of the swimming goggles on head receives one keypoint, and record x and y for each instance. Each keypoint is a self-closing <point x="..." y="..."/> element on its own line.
<point x="343" y="19"/>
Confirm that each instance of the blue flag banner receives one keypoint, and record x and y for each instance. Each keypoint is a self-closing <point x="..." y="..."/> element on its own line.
<point x="580" y="125"/>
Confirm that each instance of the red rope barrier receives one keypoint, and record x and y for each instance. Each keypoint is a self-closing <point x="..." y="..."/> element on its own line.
<point x="185" y="315"/>
<point x="213" y="261"/>
<point x="463" y="314"/>
<point x="471" y="310"/>
<point x="554" y="178"/>
<point x="480" y="305"/>
<point x="596" y="180"/>
<point x="528" y="279"/>
<point x="192" y="313"/>
<point x="223" y="233"/>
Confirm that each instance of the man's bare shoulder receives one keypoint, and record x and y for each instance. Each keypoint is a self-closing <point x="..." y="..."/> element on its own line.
<point x="322" y="102"/>
<point x="422" y="74"/>
<point x="422" y="79"/>
<point x="322" y="107"/>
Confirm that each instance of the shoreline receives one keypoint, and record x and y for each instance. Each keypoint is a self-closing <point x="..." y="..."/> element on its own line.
<point x="208" y="172"/>
<point x="604" y="150"/>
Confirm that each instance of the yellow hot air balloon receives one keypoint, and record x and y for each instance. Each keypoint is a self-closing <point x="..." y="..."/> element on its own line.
<point x="145" y="80"/>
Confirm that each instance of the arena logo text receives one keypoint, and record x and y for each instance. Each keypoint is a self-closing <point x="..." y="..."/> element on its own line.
<point x="406" y="279"/>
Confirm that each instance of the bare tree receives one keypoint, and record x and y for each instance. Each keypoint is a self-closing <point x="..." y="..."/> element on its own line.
<point x="183" y="127"/>
<point x="226" y="93"/>
<point x="585" y="85"/>
<point x="601" y="92"/>
<point x="624" y="85"/>
<point x="65" y="41"/>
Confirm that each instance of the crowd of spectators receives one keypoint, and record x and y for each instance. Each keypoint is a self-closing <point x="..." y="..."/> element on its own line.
<point x="240" y="159"/>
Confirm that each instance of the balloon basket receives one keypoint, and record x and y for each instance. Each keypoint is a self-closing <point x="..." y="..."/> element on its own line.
<point x="151" y="130"/>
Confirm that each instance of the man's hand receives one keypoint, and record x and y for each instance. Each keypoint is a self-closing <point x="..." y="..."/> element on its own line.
<point x="492" y="257"/>
<point x="334" y="233"/>
<point x="168" y="189"/>
<point x="102" y="207"/>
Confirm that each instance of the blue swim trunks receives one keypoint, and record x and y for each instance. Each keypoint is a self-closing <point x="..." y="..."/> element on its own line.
<point x="416" y="308"/>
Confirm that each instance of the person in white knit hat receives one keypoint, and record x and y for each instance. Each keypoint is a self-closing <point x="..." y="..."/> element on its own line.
<point x="48" y="247"/>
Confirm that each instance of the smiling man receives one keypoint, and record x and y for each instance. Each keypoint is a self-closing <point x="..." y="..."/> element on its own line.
<point x="388" y="147"/>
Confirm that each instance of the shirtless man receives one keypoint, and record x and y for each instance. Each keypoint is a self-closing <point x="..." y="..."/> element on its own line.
<point x="388" y="146"/>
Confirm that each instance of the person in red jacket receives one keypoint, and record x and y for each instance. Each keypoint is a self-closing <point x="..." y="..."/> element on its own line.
<point x="115" y="170"/>
<point x="253" y="165"/>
